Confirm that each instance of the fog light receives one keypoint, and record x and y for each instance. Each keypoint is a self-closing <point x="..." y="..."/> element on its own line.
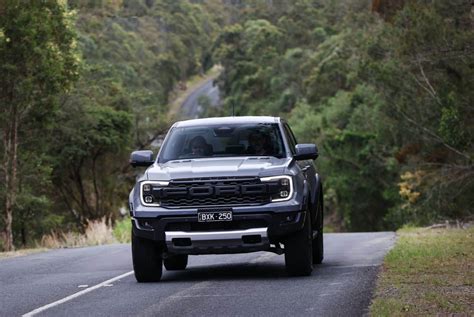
<point x="143" y="224"/>
<point x="284" y="194"/>
<point x="146" y="187"/>
<point x="148" y="199"/>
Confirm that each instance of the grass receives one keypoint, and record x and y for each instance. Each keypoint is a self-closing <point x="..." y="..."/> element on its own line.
<point x="122" y="230"/>
<point x="96" y="233"/>
<point x="329" y="229"/>
<point x="20" y="252"/>
<point x="428" y="272"/>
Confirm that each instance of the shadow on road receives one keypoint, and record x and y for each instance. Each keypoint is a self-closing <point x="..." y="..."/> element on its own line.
<point x="227" y="271"/>
<point x="247" y="271"/>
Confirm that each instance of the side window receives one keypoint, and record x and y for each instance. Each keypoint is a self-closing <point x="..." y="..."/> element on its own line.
<point x="290" y="137"/>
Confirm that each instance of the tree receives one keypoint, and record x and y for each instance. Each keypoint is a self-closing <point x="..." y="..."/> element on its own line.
<point x="423" y="65"/>
<point x="92" y="146"/>
<point x="387" y="8"/>
<point x="387" y="96"/>
<point x="37" y="63"/>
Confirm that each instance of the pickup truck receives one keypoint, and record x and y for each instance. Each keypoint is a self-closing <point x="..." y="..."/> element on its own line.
<point x="226" y="185"/>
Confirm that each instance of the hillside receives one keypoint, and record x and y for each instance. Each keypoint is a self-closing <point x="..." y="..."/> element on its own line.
<point x="383" y="87"/>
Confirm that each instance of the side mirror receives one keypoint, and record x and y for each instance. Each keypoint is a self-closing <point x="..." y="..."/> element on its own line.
<point x="306" y="152"/>
<point x="141" y="158"/>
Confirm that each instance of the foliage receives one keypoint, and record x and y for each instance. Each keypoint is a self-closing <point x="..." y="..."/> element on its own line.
<point x="127" y="58"/>
<point x="122" y="230"/>
<point x="386" y="91"/>
<point x="424" y="71"/>
<point x="383" y="99"/>
<point x="38" y="62"/>
<point x="136" y="52"/>
<point x="92" y="148"/>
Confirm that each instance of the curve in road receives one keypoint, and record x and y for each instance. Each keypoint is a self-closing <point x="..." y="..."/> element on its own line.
<point x="191" y="107"/>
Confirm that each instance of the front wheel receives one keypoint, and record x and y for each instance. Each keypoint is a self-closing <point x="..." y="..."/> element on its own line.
<point x="299" y="250"/>
<point x="147" y="261"/>
<point x="318" y="248"/>
<point x="318" y="243"/>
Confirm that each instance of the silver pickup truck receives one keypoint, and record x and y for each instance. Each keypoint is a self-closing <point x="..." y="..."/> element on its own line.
<point x="226" y="185"/>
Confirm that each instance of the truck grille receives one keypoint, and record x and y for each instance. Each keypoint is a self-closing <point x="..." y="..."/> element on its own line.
<point x="201" y="192"/>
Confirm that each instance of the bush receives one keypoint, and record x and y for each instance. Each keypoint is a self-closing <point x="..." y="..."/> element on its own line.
<point x="122" y="230"/>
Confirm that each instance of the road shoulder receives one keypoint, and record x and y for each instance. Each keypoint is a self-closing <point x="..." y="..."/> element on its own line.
<point x="428" y="272"/>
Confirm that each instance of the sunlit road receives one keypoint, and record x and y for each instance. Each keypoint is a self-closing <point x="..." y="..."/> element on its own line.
<point x="253" y="284"/>
<point x="191" y="108"/>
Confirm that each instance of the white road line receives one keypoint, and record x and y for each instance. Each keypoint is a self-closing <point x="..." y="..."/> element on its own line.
<point x="75" y="295"/>
<point x="330" y="266"/>
<point x="210" y="295"/>
<point x="262" y="258"/>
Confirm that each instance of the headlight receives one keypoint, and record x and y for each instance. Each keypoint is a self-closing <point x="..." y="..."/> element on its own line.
<point x="149" y="192"/>
<point x="281" y="187"/>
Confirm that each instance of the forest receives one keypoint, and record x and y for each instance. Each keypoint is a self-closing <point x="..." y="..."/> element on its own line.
<point x="385" y="88"/>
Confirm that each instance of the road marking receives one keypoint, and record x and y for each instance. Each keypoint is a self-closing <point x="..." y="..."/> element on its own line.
<point x="173" y="299"/>
<point x="330" y="266"/>
<point x="75" y="295"/>
<point x="262" y="258"/>
<point x="209" y="295"/>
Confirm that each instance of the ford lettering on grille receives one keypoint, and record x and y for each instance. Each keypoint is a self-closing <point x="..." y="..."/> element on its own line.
<point x="211" y="190"/>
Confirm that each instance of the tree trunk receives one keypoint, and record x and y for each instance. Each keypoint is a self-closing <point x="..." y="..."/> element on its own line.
<point x="8" y="219"/>
<point x="23" y="235"/>
<point x="10" y="140"/>
<point x="98" y="209"/>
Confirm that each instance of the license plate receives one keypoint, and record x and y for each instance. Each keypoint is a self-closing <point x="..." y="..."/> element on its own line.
<point x="213" y="216"/>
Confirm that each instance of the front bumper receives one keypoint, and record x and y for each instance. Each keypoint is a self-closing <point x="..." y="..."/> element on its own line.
<point x="234" y="241"/>
<point x="245" y="233"/>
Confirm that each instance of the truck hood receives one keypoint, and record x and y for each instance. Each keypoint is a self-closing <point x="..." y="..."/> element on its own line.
<point x="217" y="167"/>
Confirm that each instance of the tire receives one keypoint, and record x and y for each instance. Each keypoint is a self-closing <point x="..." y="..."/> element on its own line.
<point x="318" y="241"/>
<point x="176" y="262"/>
<point x="298" y="251"/>
<point x="147" y="261"/>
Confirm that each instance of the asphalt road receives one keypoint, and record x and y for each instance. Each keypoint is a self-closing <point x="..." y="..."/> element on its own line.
<point x="191" y="107"/>
<point x="253" y="284"/>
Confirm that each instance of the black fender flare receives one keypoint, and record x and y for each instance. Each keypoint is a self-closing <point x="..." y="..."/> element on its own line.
<point x="306" y="195"/>
<point x="316" y="195"/>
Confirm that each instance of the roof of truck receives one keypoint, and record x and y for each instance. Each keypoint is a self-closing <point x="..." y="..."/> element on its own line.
<point x="227" y="120"/>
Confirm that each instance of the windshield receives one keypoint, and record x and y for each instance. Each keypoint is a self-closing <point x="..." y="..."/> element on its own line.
<point x="224" y="140"/>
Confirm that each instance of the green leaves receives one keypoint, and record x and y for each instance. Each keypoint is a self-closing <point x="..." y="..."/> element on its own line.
<point x="379" y="98"/>
<point x="451" y="128"/>
<point x="38" y="63"/>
